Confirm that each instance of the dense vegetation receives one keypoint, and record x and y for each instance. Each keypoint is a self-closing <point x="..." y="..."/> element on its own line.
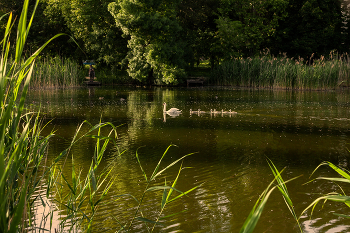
<point x="161" y="41"/>
<point x="281" y="72"/>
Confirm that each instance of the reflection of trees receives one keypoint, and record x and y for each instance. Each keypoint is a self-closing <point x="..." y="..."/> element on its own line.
<point x="289" y="127"/>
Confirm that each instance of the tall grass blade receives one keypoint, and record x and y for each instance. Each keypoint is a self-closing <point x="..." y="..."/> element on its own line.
<point x="138" y="160"/>
<point x="167" y="167"/>
<point x="284" y="191"/>
<point x="253" y="218"/>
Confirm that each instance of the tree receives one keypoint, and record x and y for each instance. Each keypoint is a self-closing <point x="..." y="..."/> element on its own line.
<point x="93" y="27"/>
<point x="245" y="27"/>
<point x="312" y="27"/>
<point x="155" y="46"/>
<point x="197" y="18"/>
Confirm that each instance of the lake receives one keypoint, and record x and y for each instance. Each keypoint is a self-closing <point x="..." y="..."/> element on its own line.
<point x="297" y="130"/>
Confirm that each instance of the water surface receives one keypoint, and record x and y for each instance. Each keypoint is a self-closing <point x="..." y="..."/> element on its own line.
<point x="297" y="130"/>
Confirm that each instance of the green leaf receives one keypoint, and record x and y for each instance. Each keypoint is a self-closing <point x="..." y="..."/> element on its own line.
<point x="138" y="160"/>
<point x="164" y="197"/>
<point x="148" y="221"/>
<point x="253" y="218"/>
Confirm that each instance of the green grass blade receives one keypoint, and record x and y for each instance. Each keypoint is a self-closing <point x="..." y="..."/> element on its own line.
<point x="342" y="215"/>
<point x="335" y="198"/>
<point x="334" y="179"/>
<point x="156" y="188"/>
<point x="169" y="166"/>
<point x="148" y="221"/>
<point x="157" y="167"/>
<point x="164" y="197"/>
<point x="171" y="215"/>
<point x="256" y="212"/>
<point x="138" y="160"/>
<point x="335" y="168"/>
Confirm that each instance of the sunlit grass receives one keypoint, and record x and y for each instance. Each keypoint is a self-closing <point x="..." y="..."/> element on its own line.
<point x="56" y="72"/>
<point x="281" y="72"/>
<point x="278" y="182"/>
<point x="333" y="196"/>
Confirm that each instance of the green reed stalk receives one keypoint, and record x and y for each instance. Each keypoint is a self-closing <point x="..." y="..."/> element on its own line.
<point x="332" y="196"/>
<point x="282" y="72"/>
<point x="57" y="72"/>
<point x="21" y="147"/>
<point x="253" y="218"/>
<point x="166" y="189"/>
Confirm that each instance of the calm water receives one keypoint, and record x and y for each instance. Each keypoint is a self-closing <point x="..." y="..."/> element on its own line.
<point x="296" y="130"/>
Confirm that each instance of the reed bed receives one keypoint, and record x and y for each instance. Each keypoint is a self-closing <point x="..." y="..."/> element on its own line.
<point x="282" y="72"/>
<point x="56" y="72"/>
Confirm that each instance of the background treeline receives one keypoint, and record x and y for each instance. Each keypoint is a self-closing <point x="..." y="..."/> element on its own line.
<point x="162" y="41"/>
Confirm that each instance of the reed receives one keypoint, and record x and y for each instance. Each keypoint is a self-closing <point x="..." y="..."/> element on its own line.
<point x="22" y="149"/>
<point x="56" y="72"/>
<point x="280" y="184"/>
<point x="281" y="72"/>
<point x="333" y="196"/>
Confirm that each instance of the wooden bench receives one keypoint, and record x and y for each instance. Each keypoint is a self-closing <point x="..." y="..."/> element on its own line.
<point x="93" y="83"/>
<point x="88" y="78"/>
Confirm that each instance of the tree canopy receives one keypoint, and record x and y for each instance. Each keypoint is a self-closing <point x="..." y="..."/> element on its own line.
<point x="158" y="41"/>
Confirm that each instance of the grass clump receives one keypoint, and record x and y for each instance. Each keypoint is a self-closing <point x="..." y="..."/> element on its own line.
<point x="56" y="72"/>
<point x="281" y="72"/>
<point x="278" y="182"/>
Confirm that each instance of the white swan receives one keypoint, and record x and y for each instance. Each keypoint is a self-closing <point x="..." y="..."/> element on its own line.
<point x="171" y="112"/>
<point x="232" y="112"/>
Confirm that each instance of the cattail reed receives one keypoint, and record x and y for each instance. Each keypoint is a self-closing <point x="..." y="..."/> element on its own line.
<point x="282" y="72"/>
<point x="56" y="72"/>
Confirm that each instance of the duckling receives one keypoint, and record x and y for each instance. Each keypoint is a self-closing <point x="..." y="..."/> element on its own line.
<point x="200" y="112"/>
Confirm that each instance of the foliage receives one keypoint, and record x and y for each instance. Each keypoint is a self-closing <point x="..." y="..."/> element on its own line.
<point x="282" y="72"/>
<point x="197" y="19"/>
<point x="312" y="27"/>
<point x="244" y="27"/>
<point x="21" y="147"/>
<point x="155" y="48"/>
<point x="167" y="191"/>
<point x="253" y="218"/>
<point x="161" y="41"/>
<point x="333" y="196"/>
<point x="92" y="24"/>
<point x="56" y="72"/>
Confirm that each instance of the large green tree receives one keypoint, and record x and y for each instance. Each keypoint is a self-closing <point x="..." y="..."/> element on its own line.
<point x="93" y="27"/>
<point x="197" y="18"/>
<point x="155" y="46"/>
<point x="245" y="27"/>
<point x="312" y="27"/>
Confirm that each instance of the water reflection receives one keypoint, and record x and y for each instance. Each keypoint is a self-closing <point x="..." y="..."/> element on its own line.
<point x="297" y="130"/>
